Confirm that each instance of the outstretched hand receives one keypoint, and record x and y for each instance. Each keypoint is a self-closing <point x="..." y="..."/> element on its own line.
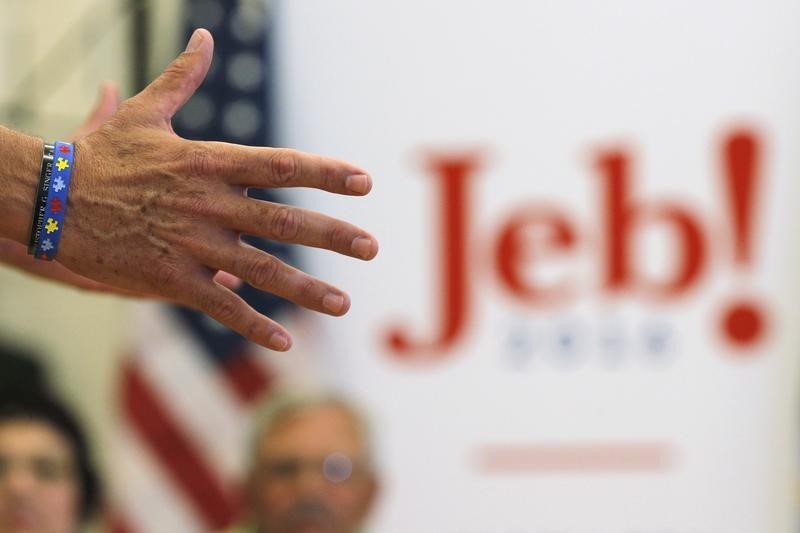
<point x="152" y="213"/>
<point x="15" y="254"/>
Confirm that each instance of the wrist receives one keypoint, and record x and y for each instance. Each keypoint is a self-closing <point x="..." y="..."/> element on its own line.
<point x="20" y="162"/>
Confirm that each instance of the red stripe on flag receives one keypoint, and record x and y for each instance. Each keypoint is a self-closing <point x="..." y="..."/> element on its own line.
<point x="116" y="522"/>
<point x="174" y="451"/>
<point x="246" y="377"/>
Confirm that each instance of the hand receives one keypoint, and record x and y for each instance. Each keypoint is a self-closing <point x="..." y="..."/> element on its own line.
<point x="104" y="108"/>
<point x="152" y="213"/>
<point x="15" y="254"/>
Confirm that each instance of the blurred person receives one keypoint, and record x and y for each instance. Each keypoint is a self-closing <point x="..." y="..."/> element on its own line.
<point x="312" y="468"/>
<point x="47" y="481"/>
<point x="20" y="368"/>
<point x="153" y="215"/>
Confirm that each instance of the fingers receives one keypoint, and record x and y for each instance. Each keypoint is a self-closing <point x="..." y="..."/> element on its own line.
<point x="105" y="107"/>
<point x="280" y="167"/>
<point x="230" y="310"/>
<point x="300" y="226"/>
<point x="173" y="88"/>
<point x="227" y="280"/>
<point x="267" y="273"/>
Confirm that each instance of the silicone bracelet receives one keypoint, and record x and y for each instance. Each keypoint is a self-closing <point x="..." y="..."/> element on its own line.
<point x="56" y="204"/>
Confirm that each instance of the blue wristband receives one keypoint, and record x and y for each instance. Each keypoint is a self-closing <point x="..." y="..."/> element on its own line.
<point x="56" y="205"/>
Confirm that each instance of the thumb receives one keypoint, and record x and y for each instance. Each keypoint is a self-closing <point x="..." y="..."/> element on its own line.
<point x="173" y="88"/>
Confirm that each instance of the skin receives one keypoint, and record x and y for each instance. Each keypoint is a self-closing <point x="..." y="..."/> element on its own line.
<point x="152" y="214"/>
<point x="15" y="254"/>
<point x="36" y="499"/>
<point x="307" y="502"/>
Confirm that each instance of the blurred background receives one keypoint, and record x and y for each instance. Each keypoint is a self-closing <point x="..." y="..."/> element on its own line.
<point x="103" y="35"/>
<point x="582" y="316"/>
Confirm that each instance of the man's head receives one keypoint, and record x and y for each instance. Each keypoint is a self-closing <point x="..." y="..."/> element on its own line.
<point x="312" y="469"/>
<point x="47" y="484"/>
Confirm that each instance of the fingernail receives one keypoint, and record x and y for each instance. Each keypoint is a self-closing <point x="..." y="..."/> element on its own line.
<point x="195" y="41"/>
<point x="362" y="247"/>
<point x="279" y="341"/>
<point x="358" y="183"/>
<point x="333" y="302"/>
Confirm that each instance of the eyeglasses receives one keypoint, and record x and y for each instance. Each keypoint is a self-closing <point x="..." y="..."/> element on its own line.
<point x="336" y="468"/>
<point x="43" y="469"/>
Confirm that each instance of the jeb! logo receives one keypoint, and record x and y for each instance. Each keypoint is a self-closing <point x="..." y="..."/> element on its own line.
<point x="623" y="214"/>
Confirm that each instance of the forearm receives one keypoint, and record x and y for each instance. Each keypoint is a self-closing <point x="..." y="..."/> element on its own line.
<point x="20" y="161"/>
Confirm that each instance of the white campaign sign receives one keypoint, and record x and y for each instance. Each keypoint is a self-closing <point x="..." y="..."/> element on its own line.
<point x="582" y="318"/>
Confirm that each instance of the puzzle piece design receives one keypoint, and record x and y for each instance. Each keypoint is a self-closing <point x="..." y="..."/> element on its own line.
<point x="58" y="183"/>
<point x="62" y="163"/>
<point x="47" y="245"/>
<point x="51" y="226"/>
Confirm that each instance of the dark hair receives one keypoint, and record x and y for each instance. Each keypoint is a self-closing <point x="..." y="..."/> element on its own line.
<point x="40" y="407"/>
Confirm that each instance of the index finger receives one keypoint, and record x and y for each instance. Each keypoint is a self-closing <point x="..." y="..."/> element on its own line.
<point x="263" y="167"/>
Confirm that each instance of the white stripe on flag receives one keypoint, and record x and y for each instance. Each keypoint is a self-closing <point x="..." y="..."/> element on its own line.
<point x="192" y="389"/>
<point x="148" y="500"/>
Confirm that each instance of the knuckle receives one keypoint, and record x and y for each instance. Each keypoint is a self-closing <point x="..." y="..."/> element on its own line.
<point x="338" y="238"/>
<point x="196" y="204"/>
<point x="177" y="69"/>
<point x="223" y="310"/>
<point x="199" y="161"/>
<point x="307" y="289"/>
<point x="251" y="330"/>
<point x="284" y="166"/>
<point x="263" y="273"/>
<point x="286" y="223"/>
<point x="328" y="174"/>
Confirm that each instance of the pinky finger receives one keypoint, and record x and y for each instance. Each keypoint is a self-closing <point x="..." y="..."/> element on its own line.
<point x="227" y="280"/>
<point x="230" y="310"/>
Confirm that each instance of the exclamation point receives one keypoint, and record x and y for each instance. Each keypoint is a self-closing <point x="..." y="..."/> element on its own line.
<point x="743" y="321"/>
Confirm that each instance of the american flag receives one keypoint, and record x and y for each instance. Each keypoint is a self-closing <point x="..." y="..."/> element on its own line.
<point x="188" y="384"/>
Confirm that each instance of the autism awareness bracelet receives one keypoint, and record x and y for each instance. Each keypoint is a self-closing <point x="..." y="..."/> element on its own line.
<point x="48" y="221"/>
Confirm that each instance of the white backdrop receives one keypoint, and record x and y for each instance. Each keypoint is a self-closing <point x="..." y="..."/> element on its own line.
<point x="589" y="382"/>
